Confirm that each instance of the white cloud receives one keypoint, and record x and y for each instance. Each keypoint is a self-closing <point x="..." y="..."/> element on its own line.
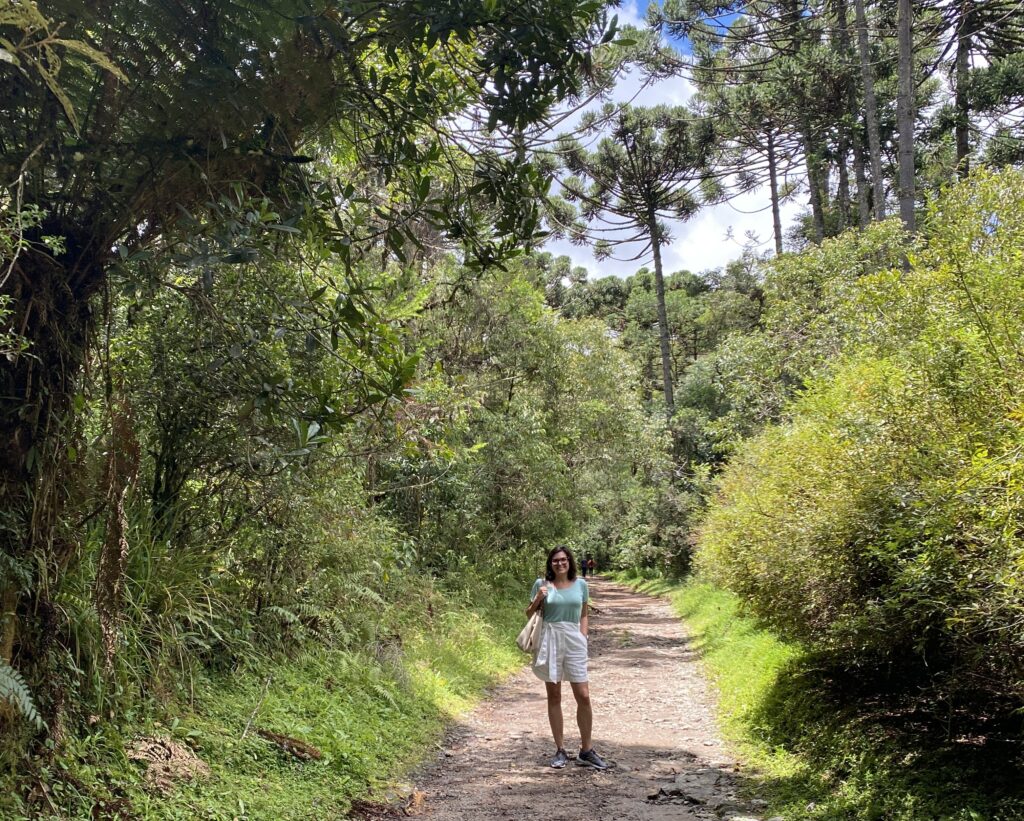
<point x="718" y="234"/>
<point x="634" y="89"/>
<point x="631" y="14"/>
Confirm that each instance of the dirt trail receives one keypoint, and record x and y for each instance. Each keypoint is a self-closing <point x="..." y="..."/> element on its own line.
<point x="653" y="716"/>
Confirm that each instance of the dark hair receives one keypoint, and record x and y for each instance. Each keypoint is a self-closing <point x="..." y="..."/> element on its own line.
<point x="550" y="573"/>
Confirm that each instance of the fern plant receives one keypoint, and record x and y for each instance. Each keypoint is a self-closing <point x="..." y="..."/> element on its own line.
<point x="14" y="690"/>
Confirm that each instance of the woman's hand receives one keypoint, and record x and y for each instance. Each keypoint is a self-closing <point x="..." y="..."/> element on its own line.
<point x="538" y="600"/>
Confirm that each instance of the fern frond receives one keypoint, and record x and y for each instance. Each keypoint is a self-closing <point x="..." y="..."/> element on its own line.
<point x="361" y="591"/>
<point x="324" y="616"/>
<point x="16" y="571"/>
<point x="14" y="690"/>
<point x="385" y="695"/>
<point x="80" y="605"/>
<point x="287" y="616"/>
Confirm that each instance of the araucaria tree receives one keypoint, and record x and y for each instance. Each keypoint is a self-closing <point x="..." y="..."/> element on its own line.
<point x="652" y="164"/>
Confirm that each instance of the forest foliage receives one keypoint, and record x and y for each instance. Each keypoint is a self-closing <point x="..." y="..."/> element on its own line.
<point x="879" y="519"/>
<point x="285" y="371"/>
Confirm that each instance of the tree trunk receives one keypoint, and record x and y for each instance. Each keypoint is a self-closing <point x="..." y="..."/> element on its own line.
<point x="863" y="199"/>
<point x="814" y="184"/>
<point x="8" y="622"/>
<point x="842" y="36"/>
<point x="795" y="23"/>
<point x="121" y="472"/>
<point x="870" y="111"/>
<point x="905" y="112"/>
<point x="663" y="331"/>
<point x="773" y="184"/>
<point x="961" y="102"/>
<point x="843" y="199"/>
<point x="50" y="311"/>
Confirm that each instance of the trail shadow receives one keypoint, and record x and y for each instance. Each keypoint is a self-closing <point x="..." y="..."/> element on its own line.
<point x="644" y="656"/>
<point x="651" y="722"/>
<point x="873" y="745"/>
<point x="648" y="782"/>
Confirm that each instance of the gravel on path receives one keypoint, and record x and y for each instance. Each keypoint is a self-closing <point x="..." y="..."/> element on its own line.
<point x="653" y="717"/>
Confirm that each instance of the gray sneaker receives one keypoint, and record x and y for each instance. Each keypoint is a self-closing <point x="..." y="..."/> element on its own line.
<point x="590" y="758"/>
<point x="560" y="760"/>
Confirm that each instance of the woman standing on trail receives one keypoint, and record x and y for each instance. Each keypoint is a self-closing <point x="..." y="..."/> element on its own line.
<point x="562" y="652"/>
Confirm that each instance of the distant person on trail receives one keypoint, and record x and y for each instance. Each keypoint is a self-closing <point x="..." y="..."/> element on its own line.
<point x="585" y="564"/>
<point x="591" y="565"/>
<point x="562" y="652"/>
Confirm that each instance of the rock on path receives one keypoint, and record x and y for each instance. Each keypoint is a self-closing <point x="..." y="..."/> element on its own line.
<point x="653" y="716"/>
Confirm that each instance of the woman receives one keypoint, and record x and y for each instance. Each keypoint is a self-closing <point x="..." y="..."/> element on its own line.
<point x="562" y="652"/>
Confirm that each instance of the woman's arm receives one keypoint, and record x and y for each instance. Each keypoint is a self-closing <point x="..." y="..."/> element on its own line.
<point x="538" y="600"/>
<point x="585" y="619"/>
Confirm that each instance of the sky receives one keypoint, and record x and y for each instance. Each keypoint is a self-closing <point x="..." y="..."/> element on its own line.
<point x="715" y="235"/>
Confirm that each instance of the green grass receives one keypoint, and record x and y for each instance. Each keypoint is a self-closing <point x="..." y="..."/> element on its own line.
<point x="820" y="745"/>
<point x="373" y="716"/>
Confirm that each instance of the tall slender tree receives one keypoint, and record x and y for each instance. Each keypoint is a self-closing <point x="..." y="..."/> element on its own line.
<point x="992" y="30"/>
<point x="652" y="164"/>
<point x="749" y="113"/>
<point x="867" y="74"/>
<point x="905" y="111"/>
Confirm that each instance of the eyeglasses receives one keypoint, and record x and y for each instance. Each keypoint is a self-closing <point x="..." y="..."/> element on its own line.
<point x="559" y="561"/>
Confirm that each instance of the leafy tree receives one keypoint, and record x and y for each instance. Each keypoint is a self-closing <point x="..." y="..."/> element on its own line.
<point x="777" y="44"/>
<point x="603" y="298"/>
<point x="518" y="416"/>
<point x="204" y="135"/>
<point x="751" y="119"/>
<point x="998" y="89"/>
<point x="986" y="31"/>
<point x="789" y="71"/>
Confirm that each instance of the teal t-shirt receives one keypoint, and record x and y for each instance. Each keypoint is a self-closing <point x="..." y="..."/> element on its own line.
<point x="563" y="605"/>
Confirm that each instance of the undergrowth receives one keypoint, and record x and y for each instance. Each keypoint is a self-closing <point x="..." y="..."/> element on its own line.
<point x="820" y="745"/>
<point x="373" y="713"/>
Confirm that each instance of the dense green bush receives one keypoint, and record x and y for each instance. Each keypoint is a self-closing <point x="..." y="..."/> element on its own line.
<point x="520" y="419"/>
<point x="882" y="522"/>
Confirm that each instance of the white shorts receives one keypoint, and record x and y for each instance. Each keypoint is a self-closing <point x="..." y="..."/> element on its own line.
<point x="561" y="654"/>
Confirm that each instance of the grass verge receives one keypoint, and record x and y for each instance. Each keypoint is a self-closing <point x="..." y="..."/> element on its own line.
<point x="372" y="714"/>
<point x="822" y="745"/>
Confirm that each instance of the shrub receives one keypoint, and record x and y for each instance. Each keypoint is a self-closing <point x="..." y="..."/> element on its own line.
<point x="882" y="523"/>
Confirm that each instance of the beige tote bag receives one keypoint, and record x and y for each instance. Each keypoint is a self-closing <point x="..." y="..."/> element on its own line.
<point x="529" y="636"/>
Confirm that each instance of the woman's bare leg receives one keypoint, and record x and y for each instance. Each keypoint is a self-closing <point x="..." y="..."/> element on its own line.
<point x="555" y="712"/>
<point x="584" y="714"/>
